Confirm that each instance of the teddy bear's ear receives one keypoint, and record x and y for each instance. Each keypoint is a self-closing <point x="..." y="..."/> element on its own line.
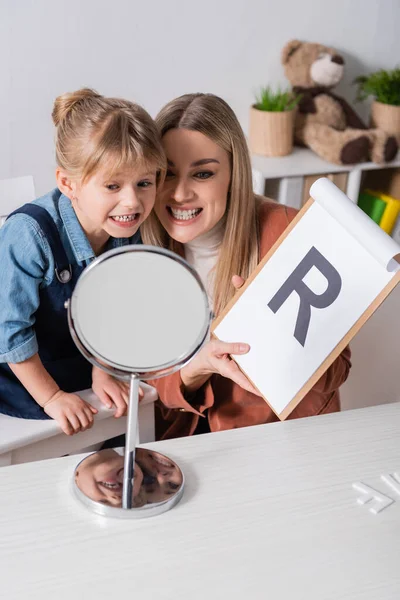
<point x="288" y="50"/>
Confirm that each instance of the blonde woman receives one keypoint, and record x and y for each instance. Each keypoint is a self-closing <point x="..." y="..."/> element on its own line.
<point x="109" y="161"/>
<point x="207" y="212"/>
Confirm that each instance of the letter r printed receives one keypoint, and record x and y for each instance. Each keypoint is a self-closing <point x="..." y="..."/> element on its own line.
<point x="295" y="283"/>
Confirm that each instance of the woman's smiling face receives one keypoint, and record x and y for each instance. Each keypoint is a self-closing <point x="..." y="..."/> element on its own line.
<point x="194" y="196"/>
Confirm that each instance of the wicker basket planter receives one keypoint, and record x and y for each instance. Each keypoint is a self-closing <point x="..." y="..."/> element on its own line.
<point x="271" y="133"/>
<point x="386" y="117"/>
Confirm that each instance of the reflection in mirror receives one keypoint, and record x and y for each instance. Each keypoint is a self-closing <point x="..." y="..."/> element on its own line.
<point x="156" y="478"/>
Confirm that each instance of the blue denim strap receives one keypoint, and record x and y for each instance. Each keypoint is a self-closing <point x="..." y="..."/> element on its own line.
<point x="47" y="225"/>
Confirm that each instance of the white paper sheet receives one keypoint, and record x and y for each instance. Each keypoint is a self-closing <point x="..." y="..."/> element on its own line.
<point x="376" y="241"/>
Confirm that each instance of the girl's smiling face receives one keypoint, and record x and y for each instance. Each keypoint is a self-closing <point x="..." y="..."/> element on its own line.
<point x="194" y="196"/>
<point x="112" y="205"/>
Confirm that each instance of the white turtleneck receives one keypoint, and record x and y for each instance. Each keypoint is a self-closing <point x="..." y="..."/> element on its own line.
<point x="202" y="254"/>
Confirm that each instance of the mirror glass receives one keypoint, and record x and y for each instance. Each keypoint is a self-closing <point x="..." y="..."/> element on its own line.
<point x="140" y="309"/>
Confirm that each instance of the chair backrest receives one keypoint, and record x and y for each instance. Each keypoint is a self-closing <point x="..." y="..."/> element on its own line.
<point x="258" y="182"/>
<point x="13" y="193"/>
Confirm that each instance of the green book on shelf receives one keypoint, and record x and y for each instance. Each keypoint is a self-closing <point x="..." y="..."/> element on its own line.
<point x="373" y="206"/>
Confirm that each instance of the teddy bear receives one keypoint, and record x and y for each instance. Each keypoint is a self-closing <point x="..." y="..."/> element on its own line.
<point x="326" y="123"/>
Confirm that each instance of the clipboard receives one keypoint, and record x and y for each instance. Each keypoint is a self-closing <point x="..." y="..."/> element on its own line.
<point x="286" y="358"/>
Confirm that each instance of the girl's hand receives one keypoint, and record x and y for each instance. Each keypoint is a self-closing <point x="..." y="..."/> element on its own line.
<point x="111" y="391"/>
<point x="71" y="412"/>
<point x="214" y="357"/>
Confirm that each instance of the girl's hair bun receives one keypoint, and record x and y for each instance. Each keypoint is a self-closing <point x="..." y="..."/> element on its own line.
<point x="66" y="103"/>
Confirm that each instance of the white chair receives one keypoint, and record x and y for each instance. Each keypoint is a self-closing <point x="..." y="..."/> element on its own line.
<point x="25" y="440"/>
<point x="14" y="193"/>
<point x="258" y="182"/>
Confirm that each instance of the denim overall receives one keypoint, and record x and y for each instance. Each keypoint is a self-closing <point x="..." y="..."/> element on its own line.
<point x="57" y="351"/>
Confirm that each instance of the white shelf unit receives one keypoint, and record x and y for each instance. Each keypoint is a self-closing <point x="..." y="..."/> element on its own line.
<point x="290" y="170"/>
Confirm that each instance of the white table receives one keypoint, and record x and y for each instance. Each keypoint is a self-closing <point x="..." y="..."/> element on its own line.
<point x="26" y="440"/>
<point x="268" y="512"/>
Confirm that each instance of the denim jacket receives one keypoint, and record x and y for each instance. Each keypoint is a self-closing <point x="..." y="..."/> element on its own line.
<point x="27" y="265"/>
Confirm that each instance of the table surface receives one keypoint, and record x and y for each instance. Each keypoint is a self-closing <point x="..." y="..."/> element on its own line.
<point x="268" y="512"/>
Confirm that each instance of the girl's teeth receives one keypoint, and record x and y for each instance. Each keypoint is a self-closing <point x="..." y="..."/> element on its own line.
<point x="111" y="486"/>
<point x="125" y="218"/>
<point x="185" y="215"/>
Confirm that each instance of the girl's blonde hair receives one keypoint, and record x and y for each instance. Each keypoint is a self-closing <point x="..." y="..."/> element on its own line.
<point x="212" y="116"/>
<point x="94" y="132"/>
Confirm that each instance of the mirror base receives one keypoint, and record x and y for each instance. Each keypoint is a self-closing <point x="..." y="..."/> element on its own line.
<point x="98" y="480"/>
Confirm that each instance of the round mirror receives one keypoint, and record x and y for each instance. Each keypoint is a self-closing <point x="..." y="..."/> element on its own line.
<point x="139" y="309"/>
<point x="136" y="312"/>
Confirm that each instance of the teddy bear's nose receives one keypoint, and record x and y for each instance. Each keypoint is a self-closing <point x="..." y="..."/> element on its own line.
<point x="337" y="59"/>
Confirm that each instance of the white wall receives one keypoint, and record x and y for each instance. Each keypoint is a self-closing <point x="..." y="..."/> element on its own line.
<point x="152" y="51"/>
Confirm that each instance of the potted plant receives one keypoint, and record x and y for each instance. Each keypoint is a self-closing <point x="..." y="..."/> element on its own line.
<point x="272" y="122"/>
<point x="384" y="86"/>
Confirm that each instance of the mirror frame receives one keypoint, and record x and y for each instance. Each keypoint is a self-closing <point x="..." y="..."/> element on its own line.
<point x="116" y="370"/>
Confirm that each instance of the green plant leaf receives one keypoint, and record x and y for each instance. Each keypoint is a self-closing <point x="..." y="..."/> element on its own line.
<point x="276" y="101"/>
<point x="383" y="85"/>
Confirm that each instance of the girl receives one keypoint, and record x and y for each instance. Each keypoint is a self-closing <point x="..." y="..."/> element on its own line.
<point x="110" y="160"/>
<point x="207" y="212"/>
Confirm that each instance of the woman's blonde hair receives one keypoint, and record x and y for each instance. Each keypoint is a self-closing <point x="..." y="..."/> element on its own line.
<point x="213" y="117"/>
<point x="94" y="132"/>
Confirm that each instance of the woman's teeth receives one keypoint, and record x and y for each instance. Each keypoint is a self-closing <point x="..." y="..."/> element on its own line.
<point x="124" y="218"/>
<point x="185" y="215"/>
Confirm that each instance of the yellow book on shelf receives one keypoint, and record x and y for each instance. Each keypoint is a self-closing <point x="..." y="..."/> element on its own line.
<point x="391" y="211"/>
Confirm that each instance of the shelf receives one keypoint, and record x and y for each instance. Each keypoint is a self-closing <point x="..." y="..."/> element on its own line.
<point x="303" y="161"/>
<point x="288" y="174"/>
